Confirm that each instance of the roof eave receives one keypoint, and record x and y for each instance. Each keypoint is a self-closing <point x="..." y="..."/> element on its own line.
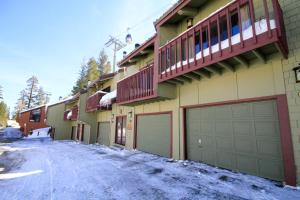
<point x="135" y="52"/>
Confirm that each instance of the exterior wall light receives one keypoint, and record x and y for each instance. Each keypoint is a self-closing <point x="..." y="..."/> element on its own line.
<point x="112" y="118"/>
<point x="189" y="23"/>
<point x="130" y="114"/>
<point x="297" y="73"/>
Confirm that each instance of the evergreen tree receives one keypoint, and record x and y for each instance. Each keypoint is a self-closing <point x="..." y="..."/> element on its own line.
<point x="102" y="61"/>
<point x="107" y="68"/>
<point x="1" y="93"/>
<point x="32" y="89"/>
<point x="92" y="70"/>
<point x="3" y="114"/>
<point x="3" y="110"/>
<point x="82" y="79"/>
<point x="43" y="97"/>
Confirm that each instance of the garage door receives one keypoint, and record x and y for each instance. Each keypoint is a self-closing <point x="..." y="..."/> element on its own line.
<point x="104" y="133"/>
<point x="154" y="134"/>
<point x="242" y="137"/>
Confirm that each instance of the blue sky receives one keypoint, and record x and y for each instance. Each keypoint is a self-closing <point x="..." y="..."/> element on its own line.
<point x="51" y="38"/>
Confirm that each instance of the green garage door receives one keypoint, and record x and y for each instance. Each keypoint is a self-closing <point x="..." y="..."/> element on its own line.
<point x="242" y="137"/>
<point x="154" y="134"/>
<point x="104" y="133"/>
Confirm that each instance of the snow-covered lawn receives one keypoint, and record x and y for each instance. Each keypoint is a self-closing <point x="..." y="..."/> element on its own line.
<point x="45" y="169"/>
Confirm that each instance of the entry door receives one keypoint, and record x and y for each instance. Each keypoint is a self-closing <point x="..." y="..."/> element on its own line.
<point x="78" y="132"/>
<point x="73" y="132"/>
<point x="104" y="133"/>
<point x="120" y="130"/>
<point x="82" y="132"/>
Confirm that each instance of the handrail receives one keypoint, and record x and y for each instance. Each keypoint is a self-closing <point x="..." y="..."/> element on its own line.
<point x="138" y="85"/>
<point x="198" y="45"/>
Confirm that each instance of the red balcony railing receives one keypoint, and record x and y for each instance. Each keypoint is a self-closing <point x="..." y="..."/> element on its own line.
<point x="71" y="114"/>
<point x="93" y="102"/>
<point x="237" y="28"/>
<point x="136" y="87"/>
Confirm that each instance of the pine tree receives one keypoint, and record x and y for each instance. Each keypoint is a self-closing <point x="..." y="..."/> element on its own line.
<point x="102" y="60"/>
<point x="41" y="96"/>
<point x="3" y="114"/>
<point x="1" y="93"/>
<point x="82" y="79"/>
<point x="107" y="68"/>
<point x="31" y="98"/>
<point x="92" y="70"/>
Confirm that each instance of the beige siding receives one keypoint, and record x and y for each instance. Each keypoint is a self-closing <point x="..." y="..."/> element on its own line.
<point x="55" y="119"/>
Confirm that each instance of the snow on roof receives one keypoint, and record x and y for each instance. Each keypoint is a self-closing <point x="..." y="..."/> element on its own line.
<point x="60" y="101"/>
<point x="30" y="109"/>
<point x="107" y="98"/>
<point x="168" y="11"/>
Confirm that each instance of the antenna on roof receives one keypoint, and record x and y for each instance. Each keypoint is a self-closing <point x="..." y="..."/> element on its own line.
<point x="118" y="45"/>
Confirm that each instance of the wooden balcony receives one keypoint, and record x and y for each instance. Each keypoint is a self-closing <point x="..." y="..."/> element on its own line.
<point x="233" y="36"/>
<point x="136" y="87"/>
<point x="93" y="102"/>
<point x="71" y="114"/>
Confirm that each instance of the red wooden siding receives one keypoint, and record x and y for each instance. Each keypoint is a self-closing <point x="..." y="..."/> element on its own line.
<point x="24" y="120"/>
<point x="179" y="56"/>
<point x="136" y="87"/>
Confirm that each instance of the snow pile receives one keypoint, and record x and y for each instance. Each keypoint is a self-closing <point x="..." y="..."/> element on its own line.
<point x="40" y="133"/>
<point x="12" y="133"/>
<point x="107" y="99"/>
<point x="69" y="115"/>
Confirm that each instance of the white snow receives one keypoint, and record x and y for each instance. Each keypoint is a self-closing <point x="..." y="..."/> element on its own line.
<point x="260" y="27"/>
<point x="12" y="133"/>
<point x="46" y="169"/>
<point x="39" y="133"/>
<point x="69" y="115"/>
<point x="106" y="100"/>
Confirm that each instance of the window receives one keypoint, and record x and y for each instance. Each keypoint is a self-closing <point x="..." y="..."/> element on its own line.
<point x="178" y="57"/>
<point x="223" y="29"/>
<point x="173" y="51"/>
<point x="191" y="48"/>
<point x="235" y="29"/>
<point x="205" y="38"/>
<point x="163" y="59"/>
<point x="197" y="42"/>
<point x="214" y="33"/>
<point x="35" y="115"/>
<point x="120" y="137"/>
<point x="183" y="49"/>
<point x="168" y="57"/>
<point x="245" y="17"/>
<point x="106" y="89"/>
